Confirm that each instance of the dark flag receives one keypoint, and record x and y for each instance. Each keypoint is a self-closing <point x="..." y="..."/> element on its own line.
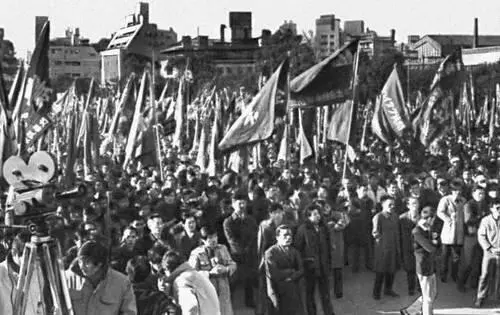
<point x="256" y="123"/>
<point x="390" y="117"/>
<point x="436" y="114"/>
<point x="327" y="82"/>
<point x="5" y="139"/>
<point x="341" y="127"/>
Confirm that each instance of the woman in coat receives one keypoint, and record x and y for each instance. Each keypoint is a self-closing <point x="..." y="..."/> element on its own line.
<point x="214" y="261"/>
<point x="387" y="248"/>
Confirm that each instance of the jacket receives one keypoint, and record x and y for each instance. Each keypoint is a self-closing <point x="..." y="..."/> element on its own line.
<point x="203" y="261"/>
<point x="114" y="295"/>
<point x="8" y="282"/>
<point x="194" y="293"/>
<point x="425" y="251"/>
<point x="314" y="247"/>
<point x="488" y="234"/>
<point x="452" y="214"/>
<point x="241" y="234"/>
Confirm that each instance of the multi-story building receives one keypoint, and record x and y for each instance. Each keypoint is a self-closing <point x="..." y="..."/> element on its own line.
<point x="328" y="35"/>
<point x="72" y="56"/>
<point x="237" y="56"/>
<point x="373" y="44"/>
<point x="138" y="38"/>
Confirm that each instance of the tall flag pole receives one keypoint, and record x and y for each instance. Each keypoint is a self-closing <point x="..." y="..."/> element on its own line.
<point x="352" y="112"/>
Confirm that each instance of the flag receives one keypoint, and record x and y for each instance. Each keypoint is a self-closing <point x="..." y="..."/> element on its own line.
<point x="69" y="173"/>
<point x="304" y="145"/>
<point x="38" y="93"/>
<point x="134" y="128"/>
<point x="202" y="148"/>
<point x="327" y="82"/>
<point x="16" y="88"/>
<point x="256" y="122"/>
<point x="215" y="137"/>
<point x="283" y="151"/>
<point x="342" y="126"/>
<point x="179" y="116"/>
<point x="391" y="117"/>
<point x="5" y="139"/>
<point x="435" y="116"/>
<point x="119" y="106"/>
<point x="493" y="114"/>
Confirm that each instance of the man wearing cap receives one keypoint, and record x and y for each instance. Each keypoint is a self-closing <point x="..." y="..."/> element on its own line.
<point x="451" y="211"/>
<point x="95" y="288"/>
<point x="240" y="230"/>
<point x="426" y="244"/>
<point x="489" y="238"/>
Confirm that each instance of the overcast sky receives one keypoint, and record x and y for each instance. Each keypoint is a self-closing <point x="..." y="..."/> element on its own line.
<point x="99" y="18"/>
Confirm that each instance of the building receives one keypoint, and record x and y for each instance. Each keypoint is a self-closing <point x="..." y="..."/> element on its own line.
<point x="354" y="28"/>
<point x="72" y="56"/>
<point x="235" y="57"/>
<point x="373" y="44"/>
<point x="328" y="35"/>
<point x="138" y="38"/>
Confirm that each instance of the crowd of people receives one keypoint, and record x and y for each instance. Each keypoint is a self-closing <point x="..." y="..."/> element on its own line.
<point x="181" y="242"/>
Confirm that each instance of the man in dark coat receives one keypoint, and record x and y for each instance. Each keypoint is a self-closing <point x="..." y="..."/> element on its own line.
<point x="240" y="230"/>
<point x="387" y="248"/>
<point x="426" y="244"/>
<point x="407" y="221"/>
<point x="312" y="241"/>
<point x="284" y="273"/>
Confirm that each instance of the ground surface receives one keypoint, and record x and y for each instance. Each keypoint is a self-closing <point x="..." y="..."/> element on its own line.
<point x="358" y="299"/>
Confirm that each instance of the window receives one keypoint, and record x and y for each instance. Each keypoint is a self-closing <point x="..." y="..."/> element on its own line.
<point x="72" y="63"/>
<point x="58" y="62"/>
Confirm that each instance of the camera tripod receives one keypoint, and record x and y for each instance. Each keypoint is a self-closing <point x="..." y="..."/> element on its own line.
<point x="42" y="255"/>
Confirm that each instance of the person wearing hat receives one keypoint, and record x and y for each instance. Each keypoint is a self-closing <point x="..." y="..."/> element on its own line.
<point x="426" y="245"/>
<point x="451" y="211"/>
<point x="240" y="230"/>
<point x="455" y="170"/>
<point x="488" y="236"/>
<point x="95" y="288"/>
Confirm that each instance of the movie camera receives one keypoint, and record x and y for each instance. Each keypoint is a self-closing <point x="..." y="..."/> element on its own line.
<point x="33" y="196"/>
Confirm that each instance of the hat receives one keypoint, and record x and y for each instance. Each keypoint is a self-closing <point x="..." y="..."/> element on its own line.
<point x="154" y="215"/>
<point x="456" y="184"/>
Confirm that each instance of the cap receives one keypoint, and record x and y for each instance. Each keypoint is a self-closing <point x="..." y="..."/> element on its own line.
<point x="95" y="250"/>
<point x="239" y="195"/>
<point x="426" y="212"/>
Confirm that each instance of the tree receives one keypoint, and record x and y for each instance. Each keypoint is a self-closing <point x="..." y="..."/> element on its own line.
<point x="8" y="61"/>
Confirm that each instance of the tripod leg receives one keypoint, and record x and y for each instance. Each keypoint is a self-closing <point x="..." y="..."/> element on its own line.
<point x="25" y="274"/>
<point x="54" y="288"/>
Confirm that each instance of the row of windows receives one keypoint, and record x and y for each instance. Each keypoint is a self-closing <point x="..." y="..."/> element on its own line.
<point x="67" y="63"/>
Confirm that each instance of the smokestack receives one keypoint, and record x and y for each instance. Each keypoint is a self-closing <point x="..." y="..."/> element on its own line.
<point x="475" y="44"/>
<point x="222" y="31"/>
<point x="393" y="36"/>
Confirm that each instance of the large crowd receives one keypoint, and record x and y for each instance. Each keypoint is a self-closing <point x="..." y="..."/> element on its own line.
<point x="181" y="242"/>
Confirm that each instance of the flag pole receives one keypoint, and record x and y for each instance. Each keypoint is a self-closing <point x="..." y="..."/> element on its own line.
<point x="354" y="91"/>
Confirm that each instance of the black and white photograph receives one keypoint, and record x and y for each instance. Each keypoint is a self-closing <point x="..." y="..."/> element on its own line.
<point x="231" y="157"/>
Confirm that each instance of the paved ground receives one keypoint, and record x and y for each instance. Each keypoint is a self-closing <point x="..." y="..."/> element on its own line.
<point x="358" y="300"/>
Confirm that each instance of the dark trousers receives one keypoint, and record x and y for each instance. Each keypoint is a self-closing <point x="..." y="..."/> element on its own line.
<point x="338" y="285"/>
<point x="470" y="272"/>
<point x="324" y="293"/>
<point x="380" y="278"/>
<point x="411" y="278"/>
<point x="248" y="279"/>
<point x="453" y="252"/>
<point x="356" y="255"/>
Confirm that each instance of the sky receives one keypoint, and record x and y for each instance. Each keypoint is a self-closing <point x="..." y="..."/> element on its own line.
<point x="99" y="18"/>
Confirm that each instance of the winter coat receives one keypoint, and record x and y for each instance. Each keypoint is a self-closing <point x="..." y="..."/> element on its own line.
<point x="360" y="215"/>
<point x="241" y="234"/>
<point x="314" y="247"/>
<point x="8" y="281"/>
<point x="194" y="292"/>
<point x="452" y="213"/>
<point x="406" y="225"/>
<point x="112" y="296"/>
<point x="387" y="242"/>
<point x="337" y="224"/>
<point x="202" y="260"/>
<point x="284" y="273"/>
